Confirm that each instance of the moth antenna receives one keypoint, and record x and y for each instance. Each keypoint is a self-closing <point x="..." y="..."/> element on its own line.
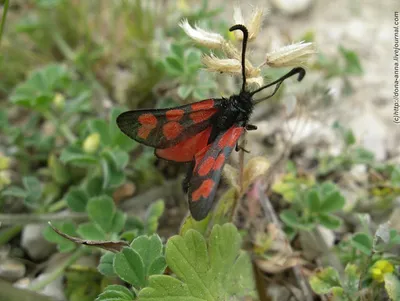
<point x="298" y="70"/>
<point x="244" y="45"/>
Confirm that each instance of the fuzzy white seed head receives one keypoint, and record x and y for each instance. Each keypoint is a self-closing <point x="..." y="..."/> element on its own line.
<point x="203" y="37"/>
<point x="216" y="64"/>
<point x="290" y="55"/>
<point x="253" y="26"/>
<point x="255" y="23"/>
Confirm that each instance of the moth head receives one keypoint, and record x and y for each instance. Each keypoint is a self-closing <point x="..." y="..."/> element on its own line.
<point x="298" y="70"/>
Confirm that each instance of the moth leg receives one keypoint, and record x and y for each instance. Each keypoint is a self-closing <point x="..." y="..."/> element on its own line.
<point x="239" y="147"/>
<point x="251" y="127"/>
<point x="186" y="181"/>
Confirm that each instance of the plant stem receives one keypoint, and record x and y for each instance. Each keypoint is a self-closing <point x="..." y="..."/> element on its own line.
<point x="9" y="233"/>
<point x="69" y="135"/>
<point x="57" y="206"/>
<point x="3" y="18"/>
<point x="24" y="219"/>
<point x="241" y="180"/>
<point x="57" y="272"/>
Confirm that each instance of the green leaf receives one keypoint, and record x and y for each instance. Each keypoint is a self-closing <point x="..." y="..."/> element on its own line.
<point x="395" y="177"/>
<point x="15" y="192"/>
<point x="173" y="66"/>
<point x="332" y="202"/>
<point x="117" y="157"/>
<point x="177" y="50"/>
<point x="33" y="188"/>
<point x="150" y="250"/>
<point x="324" y="281"/>
<point x="329" y="221"/>
<point x="76" y="199"/>
<point x="204" y="271"/>
<point x="37" y="92"/>
<point x="353" y="65"/>
<point x="128" y="265"/>
<point x="392" y="286"/>
<point x="313" y="200"/>
<point x="193" y="58"/>
<point x="119" y="139"/>
<point x="63" y="244"/>
<point x="153" y="214"/>
<point x="362" y="242"/>
<point x="105" y="266"/>
<point x="100" y="126"/>
<point x="91" y="231"/>
<point x="361" y="155"/>
<point x="191" y="223"/>
<point x="94" y="187"/>
<point x="58" y="171"/>
<point x="157" y="266"/>
<point x="394" y="237"/>
<point x="327" y="188"/>
<point x="118" y="222"/>
<point x="184" y="91"/>
<point x="352" y="279"/>
<point x="290" y="218"/>
<point x="74" y="155"/>
<point x="101" y="210"/>
<point x="116" y="293"/>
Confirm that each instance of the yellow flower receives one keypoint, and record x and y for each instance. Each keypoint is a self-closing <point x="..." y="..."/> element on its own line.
<point x="380" y="268"/>
<point x="91" y="143"/>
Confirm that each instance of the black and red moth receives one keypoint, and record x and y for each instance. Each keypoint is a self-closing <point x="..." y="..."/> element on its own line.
<point x="203" y="133"/>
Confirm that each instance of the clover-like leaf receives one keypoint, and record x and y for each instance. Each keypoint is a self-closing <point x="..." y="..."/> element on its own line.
<point x="204" y="272"/>
<point x="392" y="286"/>
<point x="129" y="266"/>
<point x="142" y="259"/>
<point x="101" y="210"/>
<point x="105" y="266"/>
<point x="116" y="293"/>
<point x="362" y="242"/>
<point x="38" y="90"/>
<point x="150" y="250"/>
<point x="324" y="281"/>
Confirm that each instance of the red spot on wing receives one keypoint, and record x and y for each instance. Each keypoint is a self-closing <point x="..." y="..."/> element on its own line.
<point x="143" y="132"/>
<point x="175" y="114"/>
<point x="230" y="137"/>
<point x="148" y="119"/>
<point x="172" y="130"/>
<point x="206" y="166"/>
<point x="186" y="150"/>
<point x="204" y="190"/>
<point x="219" y="162"/>
<point x="200" y="116"/>
<point x="148" y="122"/>
<point x="203" y="105"/>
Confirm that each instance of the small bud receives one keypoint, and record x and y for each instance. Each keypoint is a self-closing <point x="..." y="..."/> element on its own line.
<point x="258" y="81"/>
<point x="4" y="162"/>
<point x="205" y="38"/>
<point x="221" y="65"/>
<point x="255" y="167"/>
<point x="290" y="55"/>
<point x="59" y="101"/>
<point x="183" y="6"/>
<point x="91" y="143"/>
<point x="5" y="179"/>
